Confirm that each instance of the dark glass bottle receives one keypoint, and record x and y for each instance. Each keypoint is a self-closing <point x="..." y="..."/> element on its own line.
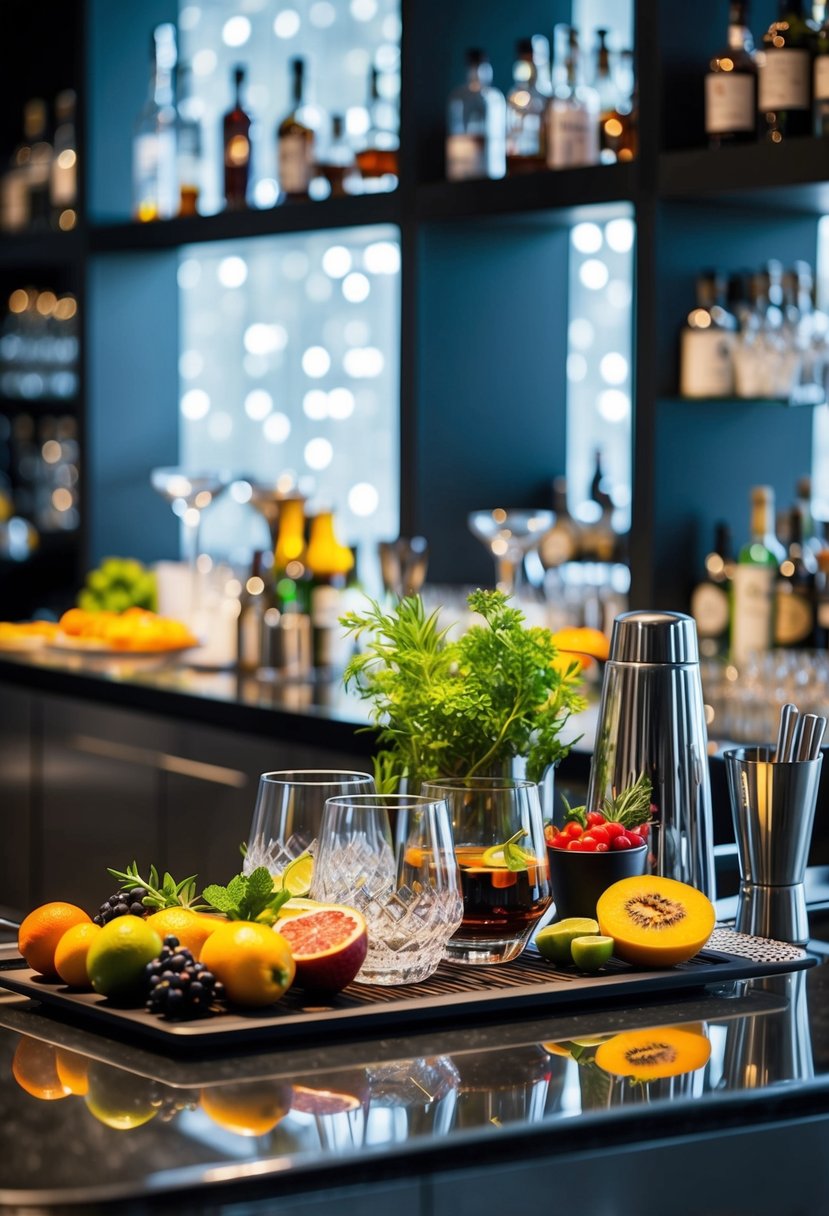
<point x="526" y="129"/>
<point x="820" y="79"/>
<point x="731" y="84"/>
<point x="796" y="585"/>
<point x="236" y="143"/>
<point x="338" y="160"/>
<point x="378" y="157"/>
<point x="295" y="141"/>
<point x="710" y="602"/>
<point x="784" y="85"/>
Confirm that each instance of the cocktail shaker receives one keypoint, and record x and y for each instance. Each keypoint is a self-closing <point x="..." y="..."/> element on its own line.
<point x="651" y="720"/>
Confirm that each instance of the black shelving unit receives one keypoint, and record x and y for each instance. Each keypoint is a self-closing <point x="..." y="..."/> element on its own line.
<point x="483" y="292"/>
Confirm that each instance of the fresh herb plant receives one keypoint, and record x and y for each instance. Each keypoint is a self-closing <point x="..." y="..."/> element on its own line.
<point x="162" y="892"/>
<point x="247" y="897"/>
<point x="460" y="708"/>
<point x="631" y="806"/>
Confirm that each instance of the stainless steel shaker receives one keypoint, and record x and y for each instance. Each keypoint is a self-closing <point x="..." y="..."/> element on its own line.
<point x="651" y="720"/>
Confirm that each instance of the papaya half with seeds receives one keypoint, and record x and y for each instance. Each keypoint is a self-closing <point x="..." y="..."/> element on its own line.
<point x="647" y="1055"/>
<point x="655" y="922"/>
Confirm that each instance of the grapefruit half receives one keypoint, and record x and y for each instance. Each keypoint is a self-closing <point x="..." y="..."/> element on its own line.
<point x="329" y="946"/>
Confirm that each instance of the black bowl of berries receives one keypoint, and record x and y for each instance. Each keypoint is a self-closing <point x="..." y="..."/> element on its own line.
<point x="593" y="849"/>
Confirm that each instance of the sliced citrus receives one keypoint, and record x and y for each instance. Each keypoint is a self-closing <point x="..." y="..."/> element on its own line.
<point x="296" y="906"/>
<point x="553" y="943"/>
<point x="297" y="875"/>
<point x="591" y="952"/>
<point x="329" y="946"/>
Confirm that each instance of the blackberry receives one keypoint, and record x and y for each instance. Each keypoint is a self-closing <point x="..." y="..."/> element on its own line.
<point x="179" y="986"/>
<point x="122" y="903"/>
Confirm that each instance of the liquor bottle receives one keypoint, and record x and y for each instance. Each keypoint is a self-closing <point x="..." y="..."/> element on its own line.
<point x="607" y="91"/>
<point x="627" y="139"/>
<point x="755" y="575"/>
<point x="710" y="599"/>
<point x="155" y="190"/>
<point x="599" y="491"/>
<point x="820" y="79"/>
<point x="731" y="85"/>
<point x="295" y="141"/>
<point x="188" y="144"/>
<point x="254" y="601"/>
<point x="379" y="155"/>
<point x="236" y="145"/>
<point x="329" y="564"/>
<point x="39" y="168"/>
<point x="706" y="342"/>
<point x="338" y="159"/>
<point x="63" y="182"/>
<point x="784" y="83"/>
<point x="290" y="571"/>
<point x="803" y="501"/>
<point x="573" y="111"/>
<point x="526" y="129"/>
<point x="822" y="600"/>
<point x="562" y="542"/>
<point x="796" y="590"/>
<point x="476" y="124"/>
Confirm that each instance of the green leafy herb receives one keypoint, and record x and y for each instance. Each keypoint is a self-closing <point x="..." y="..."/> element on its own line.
<point x="248" y="897"/>
<point x="460" y="707"/>
<point x="161" y="892"/>
<point x="631" y="807"/>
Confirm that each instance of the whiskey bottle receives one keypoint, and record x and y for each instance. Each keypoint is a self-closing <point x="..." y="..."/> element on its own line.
<point x="295" y="141"/>
<point x="338" y="160"/>
<point x="526" y="131"/>
<point x="379" y="155"/>
<point x="784" y="81"/>
<point x="820" y="79"/>
<point x="755" y="576"/>
<point x="155" y="189"/>
<point x="611" y="126"/>
<point x="188" y="144"/>
<point x="706" y="343"/>
<point x="573" y="111"/>
<point x="476" y="124"/>
<point x="63" y="182"/>
<point x="236" y="145"/>
<point x="796" y="590"/>
<point x="710" y="604"/>
<point x="731" y="85"/>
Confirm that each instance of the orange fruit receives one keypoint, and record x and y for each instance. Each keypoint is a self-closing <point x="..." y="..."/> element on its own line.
<point x="73" y="1070"/>
<point x="191" y="928"/>
<point x="249" y="1108"/>
<point x="35" y="1069"/>
<point x="71" y="952"/>
<point x="41" y="931"/>
<point x="253" y="962"/>
<point x="582" y="644"/>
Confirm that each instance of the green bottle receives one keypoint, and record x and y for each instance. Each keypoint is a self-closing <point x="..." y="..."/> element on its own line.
<point x="754" y="580"/>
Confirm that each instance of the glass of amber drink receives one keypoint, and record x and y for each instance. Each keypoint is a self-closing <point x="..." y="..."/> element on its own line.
<point x="502" y="860"/>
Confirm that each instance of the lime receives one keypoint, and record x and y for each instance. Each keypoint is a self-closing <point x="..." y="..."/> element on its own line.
<point x="591" y="953"/>
<point x="118" y="956"/>
<point x="554" y="942"/>
<point x="119" y="1099"/>
<point x="296" y="877"/>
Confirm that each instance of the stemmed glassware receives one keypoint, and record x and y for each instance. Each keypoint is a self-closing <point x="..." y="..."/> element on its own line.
<point x="391" y="857"/>
<point x="502" y="858"/>
<point x="509" y="535"/>
<point x="189" y="493"/>
<point x="288" y="814"/>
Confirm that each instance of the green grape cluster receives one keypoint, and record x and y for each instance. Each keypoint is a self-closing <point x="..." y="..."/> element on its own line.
<point x="119" y="583"/>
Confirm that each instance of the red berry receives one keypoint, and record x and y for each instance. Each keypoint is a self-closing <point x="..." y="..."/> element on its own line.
<point x="600" y="834"/>
<point x="602" y="848"/>
<point x="643" y="830"/>
<point x="634" y="838"/>
<point x="573" y="830"/>
<point x="594" y="818"/>
<point x="575" y="846"/>
<point x="622" y="842"/>
<point x="613" y="828"/>
<point x="561" y="841"/>
<point x="588" y="844"/>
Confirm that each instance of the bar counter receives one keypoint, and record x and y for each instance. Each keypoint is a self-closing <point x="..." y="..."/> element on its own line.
<point x="473" y="1116"/>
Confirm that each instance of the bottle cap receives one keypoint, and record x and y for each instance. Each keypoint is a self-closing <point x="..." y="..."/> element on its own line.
<point x="654" y="637"/>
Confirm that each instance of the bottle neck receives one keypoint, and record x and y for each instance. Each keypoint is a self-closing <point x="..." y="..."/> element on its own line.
<point x="297" y="87"/>
<point x="762" y="520"/>
<point x="739" y="33"/>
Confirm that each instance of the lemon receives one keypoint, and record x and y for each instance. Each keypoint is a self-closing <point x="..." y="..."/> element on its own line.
<point x="297" y="875"/>
<point x="118" y="955"/>
<point x="296" y="906"/>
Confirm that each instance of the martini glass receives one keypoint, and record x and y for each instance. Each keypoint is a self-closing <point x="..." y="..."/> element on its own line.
<point x="509" y="534"/>
<point x="189" y="493"/>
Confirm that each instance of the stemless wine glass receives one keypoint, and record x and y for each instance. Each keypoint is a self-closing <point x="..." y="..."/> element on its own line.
<point x="502" y="858"/>
<point x="391" y="857"/>
<point x="288" y="814"/>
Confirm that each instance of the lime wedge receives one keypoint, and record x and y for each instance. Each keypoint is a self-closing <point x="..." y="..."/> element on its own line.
<point x="296" y="877"/>
<point x="495" y="857"/>
<point x="591" y="953"/>
<point x="554" y="942"/>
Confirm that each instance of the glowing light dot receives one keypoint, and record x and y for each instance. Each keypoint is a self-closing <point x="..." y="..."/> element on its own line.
<point x="276" y="428"/>
<point x="258" y="404"/>
<point x="357" y="120"/>
<point x="586" y="238"/>
<point x="356" y="288"/>
<point x="619" y="235"/>
<point x="236" y="31"/>
<point x="241" y="491"/>
<point x="383" y="257"/>
<point x="195" y="404"/>
<point x="363" y="10"/>
<point x="318" y="453"/>
<point x="322" y="14"/>
<point x="316" y="361"/>
<point x="363" y="499"/>
<point x="614" y="405"/>
<point x="576" y="367"/>
<point x="286" y="24"/>
<point x="340" y="403"/>
<point x="614" y="368"/>
<point x="266" y="193"/>
<point x="363" y="362"/>
<point x="261" y="339"/>
<point x="232" y="272"/>
<point x="594" y="274"/>
<point x="315" y="404"/>
<point x="336" y="261"/>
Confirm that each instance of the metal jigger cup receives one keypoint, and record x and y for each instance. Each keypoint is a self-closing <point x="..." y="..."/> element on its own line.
<point x="773" y="807"/>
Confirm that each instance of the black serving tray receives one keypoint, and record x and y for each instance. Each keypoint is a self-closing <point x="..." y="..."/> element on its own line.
<point x="453" y="995"/>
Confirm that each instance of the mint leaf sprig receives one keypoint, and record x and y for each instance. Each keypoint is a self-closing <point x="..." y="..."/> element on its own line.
<point x="248" y="897"/>
<point x="162" y="892"/>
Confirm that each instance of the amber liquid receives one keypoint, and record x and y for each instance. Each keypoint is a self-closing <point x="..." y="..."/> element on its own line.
<point x="498" y="901"/>
<point x="376" y="162"/>
<point x="335" y="175"/>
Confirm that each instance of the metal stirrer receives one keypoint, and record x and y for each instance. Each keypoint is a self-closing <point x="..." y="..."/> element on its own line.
<point x="784" y="751"/>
